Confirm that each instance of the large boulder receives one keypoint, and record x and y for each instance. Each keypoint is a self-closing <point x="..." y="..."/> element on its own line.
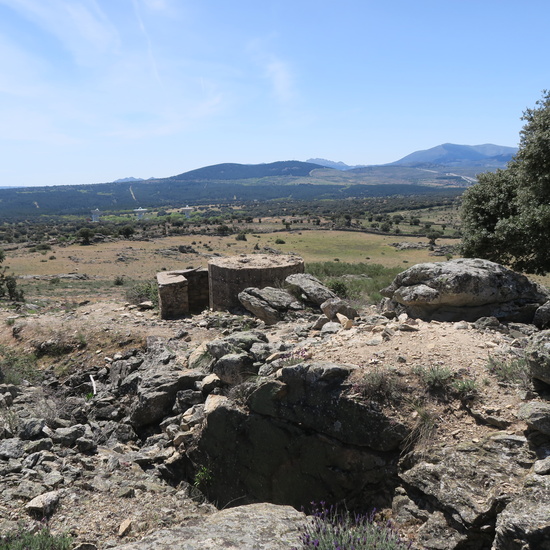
<point x="538" y="356"/>
<point x="268" y="304"/>
<point x="525" y="522"/>
<point x="251" y="527"/>
<point x="464" y="289"/>
<point x="470" y="483"/>
<point x="310" y="288"/>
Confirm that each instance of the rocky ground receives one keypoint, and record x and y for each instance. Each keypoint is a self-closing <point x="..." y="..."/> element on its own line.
<point x="109" y="487"/>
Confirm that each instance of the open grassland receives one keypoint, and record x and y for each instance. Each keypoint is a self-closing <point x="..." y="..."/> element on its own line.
<point x="140" y="260"/>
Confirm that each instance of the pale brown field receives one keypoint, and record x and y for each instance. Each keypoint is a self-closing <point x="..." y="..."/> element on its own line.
<point x="142" y="259"/>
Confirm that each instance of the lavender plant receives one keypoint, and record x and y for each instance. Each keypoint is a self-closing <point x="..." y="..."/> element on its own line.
<point x="331" y="529"/>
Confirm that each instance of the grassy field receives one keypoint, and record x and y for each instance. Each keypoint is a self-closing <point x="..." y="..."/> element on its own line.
<point x="131" y="261"/>
<point x="134" y="261"/>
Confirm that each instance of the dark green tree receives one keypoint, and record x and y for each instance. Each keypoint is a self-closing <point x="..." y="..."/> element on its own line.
<point x="85" y="233"/>
<point x="127" y="231"/>
<point x="506" y="216"/>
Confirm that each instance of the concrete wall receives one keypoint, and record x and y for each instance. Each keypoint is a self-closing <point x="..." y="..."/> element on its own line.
<point x="229" y="276"/>
<point x="173" y="296"/>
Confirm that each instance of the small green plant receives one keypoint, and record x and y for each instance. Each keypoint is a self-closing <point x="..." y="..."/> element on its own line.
<point x="142" y="292"/>
<point x="118" y="280"/>
<point x="280" y="241"/>
<point x="10" y="321"/>
<point x="16" y="367"/>
<point x="424" y="428"/>
<point x="339" y="287"/>
<point x="203" y="477"/>
<point x="465" y="387"/>
<point x="240" y="237"/>
<point x="328" y="528"/>
<point x="381" y="385"/>
<point x="510" y="371"/>
<point x="42" y="540"/>
<point x="435" y="377"/>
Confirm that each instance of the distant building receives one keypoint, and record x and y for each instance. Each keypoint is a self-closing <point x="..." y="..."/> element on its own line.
<point x="188" y="210"/>
<point x="95" y="215"/>
<point x="140" y="212"/>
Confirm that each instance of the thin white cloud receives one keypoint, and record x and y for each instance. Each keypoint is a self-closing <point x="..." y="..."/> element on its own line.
<point x="274" y="69"/>
<point x="150" y="53"/>
<point x="281" y="80"/>
<point x="81" y="26"/>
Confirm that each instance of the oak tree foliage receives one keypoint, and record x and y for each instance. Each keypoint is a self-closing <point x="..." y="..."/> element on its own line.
<point x="506" y="216"/>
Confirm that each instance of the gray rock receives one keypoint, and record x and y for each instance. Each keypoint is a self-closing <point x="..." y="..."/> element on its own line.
<point x="67" y="436"/>
<point x="542" y="316"/>
<point x="11" y="448"/>
<point x="259" y="307"/>
<point x="298" y="438"/>
<point x="469" y="482"/>
<point x="314" y="291"/>
<point x="465" y="289"/>
<point x="331" y="328"/>
<point x="537" y="416"/>
<point x="44" y="504"/>
<point x="235" y="368"/>
<point x="265" y="526"/>
<point x="525" y="522"/>
<point x="542" y="467"/>
<point x="538" y="356"/>
<point x="31" y="428"/>
<point x="332" y="306"/>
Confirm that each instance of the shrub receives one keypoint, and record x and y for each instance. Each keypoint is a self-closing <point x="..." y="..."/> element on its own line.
<point x="331" y="529"/>
<point x="16" y="367"/>
<point x="280" y="241"/>
<point x="240" y="237"/>
<point x="380" y="384"/>
<point x="142" y="292"/>
<point x="435" y="377"/>
<point x="510" y="371"/>
<point x="338" y="287"/>
<point x="42" y="540"/>
<point x="118" y="280"/>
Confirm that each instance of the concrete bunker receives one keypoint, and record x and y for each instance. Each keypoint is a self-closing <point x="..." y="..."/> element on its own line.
<point x="193" y="290"/>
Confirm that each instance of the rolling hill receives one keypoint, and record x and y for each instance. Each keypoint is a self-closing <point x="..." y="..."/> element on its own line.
<point x="444" y="168"/>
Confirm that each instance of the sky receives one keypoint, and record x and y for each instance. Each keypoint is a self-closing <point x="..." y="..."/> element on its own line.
<point x="96" y="90"/>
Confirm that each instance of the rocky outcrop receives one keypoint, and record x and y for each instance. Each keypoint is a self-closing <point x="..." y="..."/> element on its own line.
<point x="469" y="484"/>
<point x="310" y="288"/>
<point x="269" y="304"/>
<point x="297" y="436"/>
<point x="249" y="527"/>
<point x="464" y="289"/>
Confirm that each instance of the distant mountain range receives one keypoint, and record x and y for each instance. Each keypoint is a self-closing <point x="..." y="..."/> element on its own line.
<point x="444" y="169"/>
<point x="447" y="154"/>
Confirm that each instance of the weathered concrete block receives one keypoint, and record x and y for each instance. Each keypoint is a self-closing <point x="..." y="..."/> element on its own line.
<point x="229" y="276"/>
<point x="173" y="295"/>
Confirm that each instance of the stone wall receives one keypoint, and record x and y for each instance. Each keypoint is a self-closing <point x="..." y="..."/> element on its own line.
<point x="231" y="275"/>
<point x="197" y="291"/>
<point x="173" y="294"/>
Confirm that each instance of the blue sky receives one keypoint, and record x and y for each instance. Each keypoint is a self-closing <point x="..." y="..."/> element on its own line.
<point x="96" y="90"/>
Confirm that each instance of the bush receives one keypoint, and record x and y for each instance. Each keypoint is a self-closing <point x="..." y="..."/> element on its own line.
<point x="42" y="540"/>
<point x="510" y="371"/>
<point x="331" y="529"/>
<point x="381" y="385"/>
<point x="16" y="367"/>
<point x="339" y="288"/>
<point x="240" y="237"/>
<point x="279" y="241"/>
<point x="143" y="292"/>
